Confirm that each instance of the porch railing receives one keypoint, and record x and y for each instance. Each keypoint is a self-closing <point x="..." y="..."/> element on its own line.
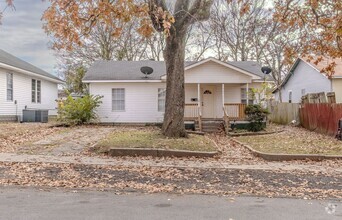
<point x="191" y="111"/>
<point x="235" y="111"/>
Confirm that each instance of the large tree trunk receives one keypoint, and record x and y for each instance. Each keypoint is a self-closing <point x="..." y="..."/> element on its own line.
<point x="174" y="56"/>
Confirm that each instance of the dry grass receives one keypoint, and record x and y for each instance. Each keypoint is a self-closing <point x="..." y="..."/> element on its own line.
<point x="294" y="141"/>
<point x="152" y="138"/>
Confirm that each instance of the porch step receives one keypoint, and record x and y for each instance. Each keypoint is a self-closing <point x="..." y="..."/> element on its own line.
<point x="210" y="126"/>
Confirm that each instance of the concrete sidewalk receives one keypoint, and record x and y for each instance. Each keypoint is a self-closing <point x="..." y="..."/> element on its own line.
<point x="178" y="163"/>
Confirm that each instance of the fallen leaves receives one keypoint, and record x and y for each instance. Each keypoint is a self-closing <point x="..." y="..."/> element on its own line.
<point x="151" y="180"/>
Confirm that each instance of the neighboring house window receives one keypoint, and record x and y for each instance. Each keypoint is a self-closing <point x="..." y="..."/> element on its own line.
<point x="36" y="91"/>
<point x="290" y="96"/>
<point x="244" y="96"/>
<point x="39" y="91"/>
<point x="303" y="92"/>
<point x="9" y="86"/>
<point x="118" y="99"/>
<point x="161" y="99"/>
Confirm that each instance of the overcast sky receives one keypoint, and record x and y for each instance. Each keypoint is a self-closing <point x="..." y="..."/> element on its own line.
<point x="21" y="34"/>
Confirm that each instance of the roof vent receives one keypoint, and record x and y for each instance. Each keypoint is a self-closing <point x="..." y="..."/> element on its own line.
<point x="146" y="70"/>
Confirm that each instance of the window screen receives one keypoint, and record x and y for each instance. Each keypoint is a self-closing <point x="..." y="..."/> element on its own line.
<point x="118" y="99"/>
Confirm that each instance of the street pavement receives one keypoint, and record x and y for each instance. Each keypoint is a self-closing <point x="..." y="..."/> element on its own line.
<point x="33" y="203"/>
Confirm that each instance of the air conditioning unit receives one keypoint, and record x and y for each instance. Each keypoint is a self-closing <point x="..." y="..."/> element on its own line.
<point x="30" y="115"/>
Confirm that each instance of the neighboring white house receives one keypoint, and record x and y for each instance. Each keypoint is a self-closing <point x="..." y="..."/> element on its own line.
<point x="305" y="77"/>
<point x="24" y="86"/>
<point x="210" y="85"/>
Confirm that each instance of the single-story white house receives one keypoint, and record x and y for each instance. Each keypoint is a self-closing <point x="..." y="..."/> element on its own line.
<point x="131" y="97"/>
<point x="305" y="77"/>
<point x="24" y="86"/>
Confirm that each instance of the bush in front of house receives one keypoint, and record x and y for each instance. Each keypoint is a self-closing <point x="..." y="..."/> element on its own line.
<point x="78" y="111"/>
<point x="256" y="115"/>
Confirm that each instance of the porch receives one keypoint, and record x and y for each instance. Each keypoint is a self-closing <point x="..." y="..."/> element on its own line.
<point x="235" y="111"/>
<point x="214" y="101"/>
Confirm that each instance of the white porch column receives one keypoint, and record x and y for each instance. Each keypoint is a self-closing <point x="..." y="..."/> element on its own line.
<point x="223" y="95"/>
<point x="199" y="94"/>
<point x="247" y="94"/>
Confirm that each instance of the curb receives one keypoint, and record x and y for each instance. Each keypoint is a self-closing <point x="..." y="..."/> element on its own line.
<point x="231" y="134"/>
<point x="118" y="152"/>
<point x="287" y="157"/>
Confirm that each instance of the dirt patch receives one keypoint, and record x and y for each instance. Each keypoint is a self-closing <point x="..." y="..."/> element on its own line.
<point x="69" y="141"/>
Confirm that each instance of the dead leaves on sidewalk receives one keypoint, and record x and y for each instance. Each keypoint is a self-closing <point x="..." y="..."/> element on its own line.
<point x="151" y="180"/>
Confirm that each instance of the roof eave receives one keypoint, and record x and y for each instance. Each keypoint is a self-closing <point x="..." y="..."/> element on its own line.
<point x="12" y="68"/>
<point x="121" y="81"/>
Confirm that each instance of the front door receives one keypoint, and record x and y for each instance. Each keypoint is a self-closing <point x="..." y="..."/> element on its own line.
<point x="208" y="101"/>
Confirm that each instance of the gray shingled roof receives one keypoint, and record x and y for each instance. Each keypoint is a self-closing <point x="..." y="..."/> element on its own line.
<point x="13" y="61"/>
<point x="251" y="67"/>
<point x="124" y="70"/>
<point x="130" y="70"/>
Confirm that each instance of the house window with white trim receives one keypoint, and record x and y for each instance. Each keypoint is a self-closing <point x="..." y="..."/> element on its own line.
<point x="244" y="96"/>
<point x="9" y="86"/>
<point x="161" y="99"/>
<point x="36" y="91"/>
<point x="118" y="99"/>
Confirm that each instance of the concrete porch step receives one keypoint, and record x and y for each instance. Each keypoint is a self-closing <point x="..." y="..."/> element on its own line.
<point x="210" y="126"/>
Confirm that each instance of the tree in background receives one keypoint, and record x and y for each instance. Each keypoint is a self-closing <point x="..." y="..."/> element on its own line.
<point x="319" y="28"/>
<point x="73" y="79"/>
<point x="247" y="30"/>
<point x="8" y="4"/>
<point x="69" y="22"/>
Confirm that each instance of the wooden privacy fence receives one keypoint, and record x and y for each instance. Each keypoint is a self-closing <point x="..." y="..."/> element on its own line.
<point x="284" y="113"/>
<point x="322" y="118"/>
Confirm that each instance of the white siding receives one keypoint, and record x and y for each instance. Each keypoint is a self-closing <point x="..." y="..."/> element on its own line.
<point x="22" y="94"/>
<point x="191" y="91"/>
<point x="304" y="77"/>
<point x="212" y="72"/>
<point x="337" y="88"/>
<point x="141" y="102"/>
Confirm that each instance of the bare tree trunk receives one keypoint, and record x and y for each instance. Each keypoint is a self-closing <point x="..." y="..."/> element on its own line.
<point x="174" y="56"/>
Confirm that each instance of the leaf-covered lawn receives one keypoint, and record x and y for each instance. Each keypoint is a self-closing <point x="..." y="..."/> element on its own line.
<point x="294" y="141"/>
<point x="152" y="138"/>
<point x="12" y="135"/>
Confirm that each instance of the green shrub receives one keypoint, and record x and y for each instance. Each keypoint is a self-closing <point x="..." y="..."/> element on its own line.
<point x="256" y="115"/>
<point x="79" y="110"/>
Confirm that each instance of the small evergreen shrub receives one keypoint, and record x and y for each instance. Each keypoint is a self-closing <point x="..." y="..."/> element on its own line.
<point x="78" y="111"/>
<point x="256" y="115"/>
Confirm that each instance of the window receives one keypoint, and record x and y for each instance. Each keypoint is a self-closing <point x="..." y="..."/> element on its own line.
<point x="303" y="92"/>
<point x="118" y="99"/>
<point x="290" y="96"/>
<point x="39" y="91"/>
<point x="244" y="96"/>
<point x="33" y="91"/>
<point x="161" y="100"/>
<point x="36" y="91"/>
<point x="9" y="86"/>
